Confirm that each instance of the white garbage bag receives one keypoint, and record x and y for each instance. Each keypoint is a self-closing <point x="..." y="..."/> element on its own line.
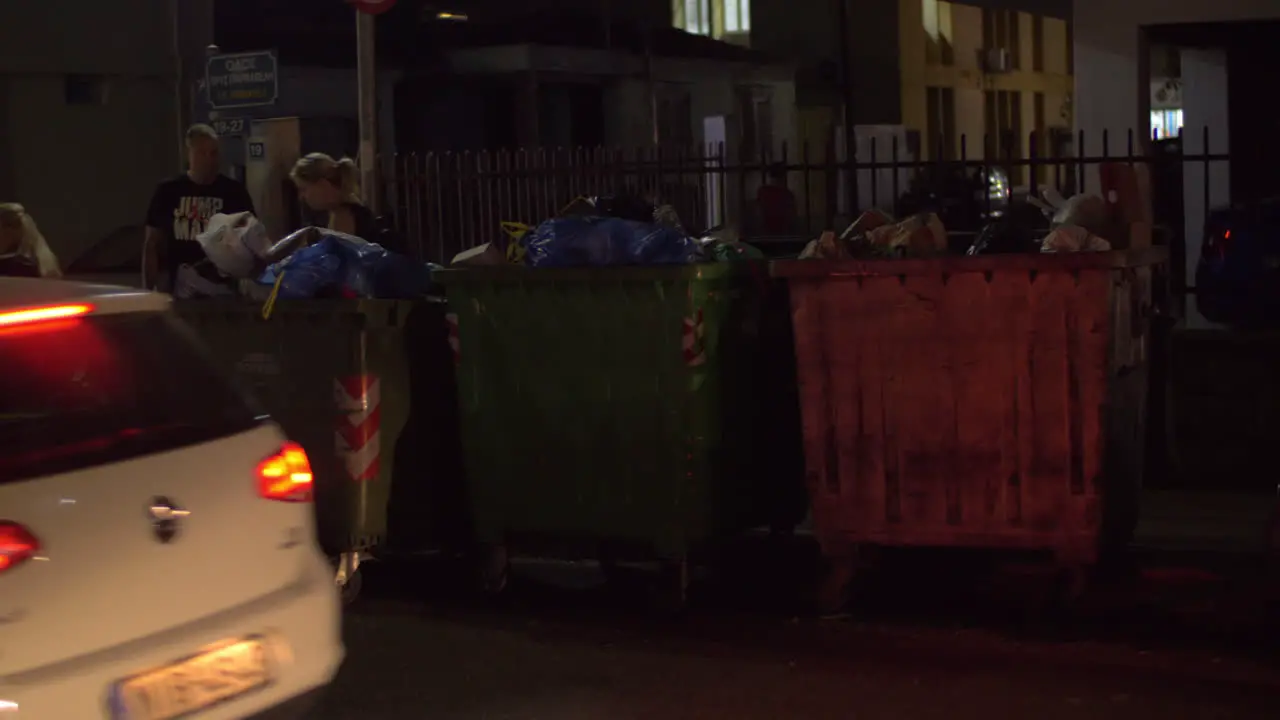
<point x="236" y="244"/>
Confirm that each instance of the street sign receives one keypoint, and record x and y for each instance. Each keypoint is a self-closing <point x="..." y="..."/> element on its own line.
<point x="242" y="80"/>
<point x="230" y="127"/>
<point x="372" y="7"/>
<point x="257" y="150"/>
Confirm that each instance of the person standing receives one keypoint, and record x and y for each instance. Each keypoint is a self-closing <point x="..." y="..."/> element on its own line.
<point x="181" y="207"/>
<point x="333" y="187"/>
<point x="776" y="204"/>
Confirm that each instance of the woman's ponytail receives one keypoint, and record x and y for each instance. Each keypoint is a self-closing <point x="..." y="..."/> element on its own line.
<point x="349" y="179"/>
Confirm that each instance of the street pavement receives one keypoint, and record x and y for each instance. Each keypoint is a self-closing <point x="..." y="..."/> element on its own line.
<point x="1193" y="634"/>
<point x="561" y="646"/>
<point x="406" y="665"/>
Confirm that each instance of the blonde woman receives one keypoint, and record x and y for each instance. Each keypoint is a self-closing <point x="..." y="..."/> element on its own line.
<point x="333" y="187"/>
<point x="22" y="244"/>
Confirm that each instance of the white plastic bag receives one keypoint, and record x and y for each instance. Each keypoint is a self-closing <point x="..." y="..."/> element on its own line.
<point x="236" y="244"/>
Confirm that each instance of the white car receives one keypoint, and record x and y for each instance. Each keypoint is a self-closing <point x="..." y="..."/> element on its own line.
<point x="157" y="543"/>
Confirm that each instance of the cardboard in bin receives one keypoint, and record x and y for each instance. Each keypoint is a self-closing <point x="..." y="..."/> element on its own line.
<point x="1126" y="188"/>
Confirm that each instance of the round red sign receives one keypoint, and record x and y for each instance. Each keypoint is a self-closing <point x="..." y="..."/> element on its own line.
<point x="372" y="7"/>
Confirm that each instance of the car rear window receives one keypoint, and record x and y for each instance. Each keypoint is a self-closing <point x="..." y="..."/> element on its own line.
<point x="107" y="388"/>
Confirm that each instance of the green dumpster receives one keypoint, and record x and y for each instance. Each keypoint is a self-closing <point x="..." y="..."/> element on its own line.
<point x="616" y="406"/>
<point x="335" y="374"/>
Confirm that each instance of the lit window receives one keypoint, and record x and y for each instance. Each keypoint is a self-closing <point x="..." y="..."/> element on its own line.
<point x="1166" y="123"/>
<point x="694" y="16"/>
<point x="737" y="16"/>
<point x="713" y="18"/>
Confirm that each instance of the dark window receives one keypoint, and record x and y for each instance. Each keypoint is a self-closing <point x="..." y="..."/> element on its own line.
<point x="102" y="389"/>
<point x="675" y="120"/>
<point x="933" y="122"/>
<point x="1037" y="43"/>
<point x="1071" y="50"/>
<point x="941" y="121"/>
<point x="85" y="89"/>
<point x="1013" y="39"/>
<point x="1041" y="143"/>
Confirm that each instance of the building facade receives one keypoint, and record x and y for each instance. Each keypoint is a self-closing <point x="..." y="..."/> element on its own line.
<point x="1112" y="56"/>
<point x="1149" y="66"/>
<point x="90" y="110"/>
<point x="941" y="69"/>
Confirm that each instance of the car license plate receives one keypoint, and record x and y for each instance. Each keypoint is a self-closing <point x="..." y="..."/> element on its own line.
<point x="194" y="683"/>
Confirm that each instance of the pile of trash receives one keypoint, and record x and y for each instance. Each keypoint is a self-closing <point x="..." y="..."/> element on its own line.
<point x="877" y="235"/>
<point x="608" y="231"/>
<point x="1078" y="224"/>
<point x="310" y="263"/>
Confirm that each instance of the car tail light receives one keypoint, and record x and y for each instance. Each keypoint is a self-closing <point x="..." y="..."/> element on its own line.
<point x="286" y="476"/>
<point x="17" y="545"/>
<point x="1219" y="244"/>
<point x="29" y="316"/>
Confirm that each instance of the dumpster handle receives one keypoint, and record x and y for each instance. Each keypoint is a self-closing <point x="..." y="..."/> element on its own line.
<point x="270" y="304"/>
<point x="516" y="232"/>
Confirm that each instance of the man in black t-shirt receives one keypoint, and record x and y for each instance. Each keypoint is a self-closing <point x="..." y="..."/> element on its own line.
<point x="180" y="208"/>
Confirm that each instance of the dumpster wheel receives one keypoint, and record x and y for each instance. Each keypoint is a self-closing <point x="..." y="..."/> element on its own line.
<point x="670" y="591"/>
<point x="347" y="575"/>
<point x="351" y="589"/>
<point x="836" y="587"/>
<point x="495" y="569"/>
<point x="615" y="575"/>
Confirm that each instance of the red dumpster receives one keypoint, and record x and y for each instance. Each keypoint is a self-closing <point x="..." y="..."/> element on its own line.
<point x="986" y="402"/>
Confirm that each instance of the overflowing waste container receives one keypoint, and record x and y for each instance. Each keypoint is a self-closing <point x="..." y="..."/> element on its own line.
<point x="620" y="408"/>
<point x="338" y="339"/>
<point x="334" y="374"/>
<point x="991" y="401"/>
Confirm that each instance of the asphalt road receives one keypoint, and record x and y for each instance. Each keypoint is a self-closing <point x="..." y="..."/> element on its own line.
<point x="403" y="666"/>
<point x="419" y="648"/>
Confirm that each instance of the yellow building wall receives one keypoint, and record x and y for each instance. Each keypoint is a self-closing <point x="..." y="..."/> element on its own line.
<point x="965" y="77"/>
<point x="815" y="128"/>
<point x="926" y="26"/>
<point x="913" y="43"/>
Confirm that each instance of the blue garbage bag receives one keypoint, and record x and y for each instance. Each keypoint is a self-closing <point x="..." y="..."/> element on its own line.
<point x="601" y="241"/>
<point x="344" y="266"/>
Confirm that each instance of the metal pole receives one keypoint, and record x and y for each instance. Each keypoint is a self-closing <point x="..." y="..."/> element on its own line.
<point x="367" y="79"/>
<point x="846" y="88"/>
<point x="180" y="87"/>
<point x="606" y="18"/>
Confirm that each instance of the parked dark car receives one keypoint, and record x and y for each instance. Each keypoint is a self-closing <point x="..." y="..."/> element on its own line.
<point x="1238" y="274"/>
<point x="114" y="260"/>
<point x="958" y="193"/>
